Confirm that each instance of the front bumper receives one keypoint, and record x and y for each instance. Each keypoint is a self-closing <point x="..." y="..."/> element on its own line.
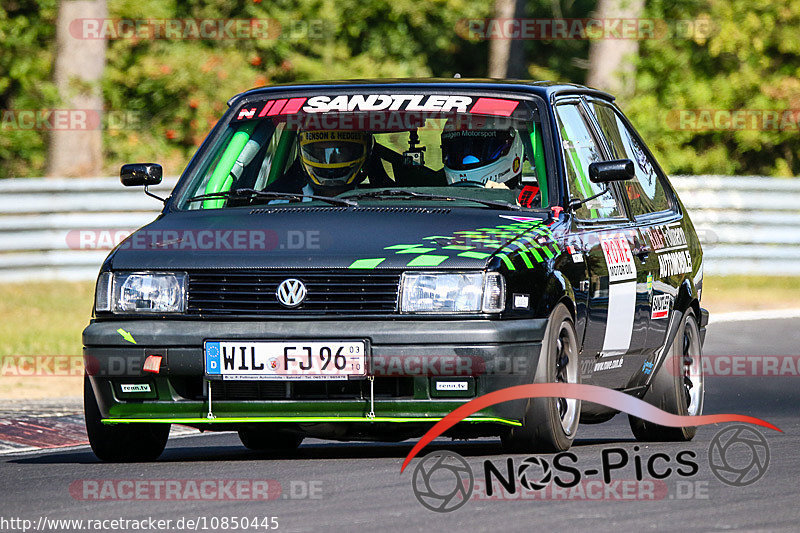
<point x="407" y="357"/>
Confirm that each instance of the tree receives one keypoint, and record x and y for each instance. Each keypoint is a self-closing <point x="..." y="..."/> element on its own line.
<point x="506" y="54"/>
<point x="79" y="64"/>
<point x="612" y="62"/>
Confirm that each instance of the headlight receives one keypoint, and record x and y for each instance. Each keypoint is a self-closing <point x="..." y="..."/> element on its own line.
<point x="437" y="292"/>
<point x="141" y="292"/>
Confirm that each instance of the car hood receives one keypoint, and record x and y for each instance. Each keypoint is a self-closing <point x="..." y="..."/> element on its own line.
<point x="323" y="237"/>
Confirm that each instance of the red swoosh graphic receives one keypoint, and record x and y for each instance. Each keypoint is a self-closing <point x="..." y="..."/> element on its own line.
<point x="589" y="393"/>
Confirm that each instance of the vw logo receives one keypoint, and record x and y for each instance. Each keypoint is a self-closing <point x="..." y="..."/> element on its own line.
<point x="291" y="292"/>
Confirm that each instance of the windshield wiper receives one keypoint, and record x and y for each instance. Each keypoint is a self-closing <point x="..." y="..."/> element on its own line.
<point x="272" y="195"/>
<point x="404" y="193"/>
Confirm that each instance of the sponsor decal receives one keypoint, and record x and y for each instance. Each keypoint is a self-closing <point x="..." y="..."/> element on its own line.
<point x="388" y="102"/>
<point x="665" y="238"/>
<point x="673" y="263"/>
<point x="608" y="364"/>
<point x="618" y="256"/>
<point x="621" y="296"/>
<point x="380" y="102"/>
<point x="647" y="367"/>
<point x="522" y="301"/>
<point x="661" y="305"/>
<point x="452" y="385"/>
<point x="649" y="282"/>
<point x="135" y="387"/>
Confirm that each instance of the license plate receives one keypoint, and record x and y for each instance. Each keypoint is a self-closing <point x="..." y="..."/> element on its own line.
<point x="273" y="360"/>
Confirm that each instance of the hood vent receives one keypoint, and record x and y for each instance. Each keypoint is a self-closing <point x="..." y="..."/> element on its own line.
<point x="414" y="210"/>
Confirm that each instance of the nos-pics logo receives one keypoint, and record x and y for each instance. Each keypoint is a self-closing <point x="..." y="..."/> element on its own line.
<point x="443" y="481"/>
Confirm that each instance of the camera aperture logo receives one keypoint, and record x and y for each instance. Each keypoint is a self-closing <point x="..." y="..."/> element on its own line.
<point x="738" y="455"/>
<point x="443" y="481"/>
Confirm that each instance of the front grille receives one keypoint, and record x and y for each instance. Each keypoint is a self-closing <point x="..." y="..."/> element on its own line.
<point x="385" y="387"/>
<point x="328" y="293"/>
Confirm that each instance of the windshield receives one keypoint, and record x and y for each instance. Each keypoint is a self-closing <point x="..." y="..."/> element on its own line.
<point x="414" y="146"/>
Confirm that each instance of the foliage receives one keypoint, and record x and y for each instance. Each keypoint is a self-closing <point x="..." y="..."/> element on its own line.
<point x="27" y="30"/>
<point x="748" y="61"/>
<point x="163" y="95"/>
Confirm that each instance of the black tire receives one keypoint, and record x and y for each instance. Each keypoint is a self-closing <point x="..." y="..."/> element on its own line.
<point x="549" y="424"/>
<point x="121" y="443"/>
<point x="671" y="388"/>
<point x="267" y="439"/>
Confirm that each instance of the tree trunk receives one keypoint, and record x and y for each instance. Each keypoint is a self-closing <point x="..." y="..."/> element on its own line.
<point x="612" y="64"/>
<point x="507" y="56"/>
<point x="76" y="148"/>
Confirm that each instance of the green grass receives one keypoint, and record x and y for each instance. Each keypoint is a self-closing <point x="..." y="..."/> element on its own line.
<point x="734" y="293"/>
<point x="44" y="318"/>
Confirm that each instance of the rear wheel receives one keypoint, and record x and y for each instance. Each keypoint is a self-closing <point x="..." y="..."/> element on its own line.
<point x="121" y="442"/>
<point x="266" y="439"/>
<point x="550" y="424"/>
<point x="677" y="387"/>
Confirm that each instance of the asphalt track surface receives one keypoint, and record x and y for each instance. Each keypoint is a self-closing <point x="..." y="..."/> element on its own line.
<point x="358" y="486"/>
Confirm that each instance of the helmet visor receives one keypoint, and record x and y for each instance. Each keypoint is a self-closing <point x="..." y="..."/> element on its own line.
<point x="333" y="157"/>
<point x="464" y="150"/>
<point x="331" y="154"/>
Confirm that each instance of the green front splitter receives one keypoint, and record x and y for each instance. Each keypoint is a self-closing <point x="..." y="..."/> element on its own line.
<point x="299" y="419"/>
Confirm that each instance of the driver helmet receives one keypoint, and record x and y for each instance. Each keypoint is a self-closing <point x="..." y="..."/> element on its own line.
<point x="477" y="156"/>
<point x="334" y="159"/>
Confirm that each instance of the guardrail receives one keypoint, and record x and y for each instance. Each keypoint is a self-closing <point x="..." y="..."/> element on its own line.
<point x="749" y="225"/>
<point x="37" y="216"/>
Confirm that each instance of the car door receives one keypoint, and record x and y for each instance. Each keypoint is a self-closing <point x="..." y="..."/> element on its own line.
<point x="604" y="235"/>
<point x="653" y="208"/>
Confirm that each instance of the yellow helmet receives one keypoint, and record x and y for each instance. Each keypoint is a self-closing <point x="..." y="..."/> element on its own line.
<point x="334" y="158"/>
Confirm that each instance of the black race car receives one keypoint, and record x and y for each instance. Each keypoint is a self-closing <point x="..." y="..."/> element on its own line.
<point x="355" y="260"/>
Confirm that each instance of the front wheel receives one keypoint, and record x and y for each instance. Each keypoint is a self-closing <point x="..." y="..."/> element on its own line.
<point x="677" y="387"/>
<point x="549" y="424"/>
<point x="121" y="442"/>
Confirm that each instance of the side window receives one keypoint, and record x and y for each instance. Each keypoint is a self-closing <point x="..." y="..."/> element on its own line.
<point x="580" y="150"/>
<point x="646" y="193"/>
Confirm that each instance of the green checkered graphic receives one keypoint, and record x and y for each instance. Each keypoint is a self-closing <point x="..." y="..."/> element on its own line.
<point x="428" y="260"/>
<point x="419" y="250"/>
<point x="367" y="263"/>
<point x="533" y="243"/>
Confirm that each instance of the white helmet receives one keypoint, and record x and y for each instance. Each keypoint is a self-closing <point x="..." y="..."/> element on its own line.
<point x="477" y="156"/>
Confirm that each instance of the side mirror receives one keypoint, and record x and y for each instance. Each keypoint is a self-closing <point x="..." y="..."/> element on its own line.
<point x="608" y="171"/>
<point x="140" y="174"/>
<point x="605" y="172"/>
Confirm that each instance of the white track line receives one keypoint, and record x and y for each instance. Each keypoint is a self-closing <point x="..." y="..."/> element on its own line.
<point x="6" y="448"/>
<point x="743" y="316"/>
